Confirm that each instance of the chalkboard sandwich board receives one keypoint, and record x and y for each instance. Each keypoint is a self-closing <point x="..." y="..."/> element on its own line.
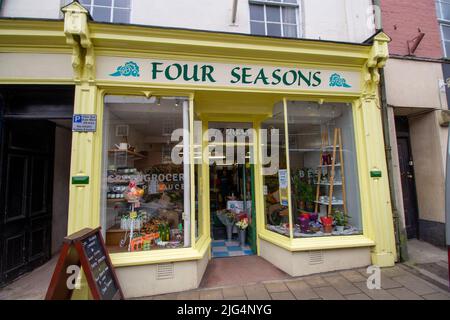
<point x="85" y="249"/>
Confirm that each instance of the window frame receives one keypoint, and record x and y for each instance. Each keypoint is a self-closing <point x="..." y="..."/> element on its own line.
<point x="443" y="23"/>
<point x="91" y="7"/>
<point x="280" y="4"/>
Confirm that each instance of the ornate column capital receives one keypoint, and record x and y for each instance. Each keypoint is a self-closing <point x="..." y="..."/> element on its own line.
<point x="378" y="56"/>
<point x="77" y="34"/>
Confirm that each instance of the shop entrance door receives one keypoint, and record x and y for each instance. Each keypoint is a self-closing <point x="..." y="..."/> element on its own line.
<point x="25" y="196"/>
<point x="232" y="190"/>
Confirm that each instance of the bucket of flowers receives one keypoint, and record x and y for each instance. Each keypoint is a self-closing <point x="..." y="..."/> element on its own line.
<point x="242" y="225"/>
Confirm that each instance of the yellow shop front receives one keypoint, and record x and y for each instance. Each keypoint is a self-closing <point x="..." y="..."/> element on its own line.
<point x="187" y="132"/>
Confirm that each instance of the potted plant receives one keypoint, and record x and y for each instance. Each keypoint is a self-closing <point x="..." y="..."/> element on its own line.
<point x="242" y="225"/>
<point x="307" y="195"/>
<point x="327" y="223"/>
<point x="340" y="219"/>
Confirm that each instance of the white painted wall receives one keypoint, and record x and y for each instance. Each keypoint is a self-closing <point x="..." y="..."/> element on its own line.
<point x="340" y="20"/>
<point x="212" y="15"/>
<point x="47" y="9"/>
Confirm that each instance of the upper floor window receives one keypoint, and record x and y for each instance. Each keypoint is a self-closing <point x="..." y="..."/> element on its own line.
<point x="274" y="18"/>
<point x="443" y="14"/>
<point x="443" y="9"/>
<point x="117" y="11"/>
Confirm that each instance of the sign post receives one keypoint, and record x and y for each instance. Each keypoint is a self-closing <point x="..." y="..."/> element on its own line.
<point x="85" y="249"/>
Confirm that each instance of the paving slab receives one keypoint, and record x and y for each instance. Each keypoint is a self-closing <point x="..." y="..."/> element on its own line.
<point x="316" y="281"/>
<point x="256" y="292"/>
<point x="301" y="290"/>
<point x="328" y="293"/>
<point x="282" y="296"/>
<point x="357" y="296"/>
<point x="388" y="283"/>
<point x="240" y="298"/>
<point x="404" y="294"/>
<point x="276" y="287"/>
<point x="375" y="294"/>
<point x="215" y="294"/>
<point x="416" y="284"/>
<point x="231" y="292"/>
<point x="189" y="295"/>
<point x="342" y="285"/>
<point x="353" y="276"/>
<point x="437" y="296"/>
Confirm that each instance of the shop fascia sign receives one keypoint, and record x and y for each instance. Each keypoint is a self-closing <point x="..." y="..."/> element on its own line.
<point x="221" y="74"/>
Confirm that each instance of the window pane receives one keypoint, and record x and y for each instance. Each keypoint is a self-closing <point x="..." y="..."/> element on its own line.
<point x="121" y="16"/>
<point x="322" y="154"/>
<point x="290" y="30"/>
<point x="102" y="14"/>
<point x="273" y="13"/>
<point x="122" y="3"/>
<point x="256" y="12"/>
<point x="85" y="2"/>
<point x="274" y="29"/>
<point x="445" y="7"/>
<point x="446" y="32"/>
<point x="289" y="15"/>
<point x="447" y="48"/>
<point x="275" y="172"/>
<point x="257" y="28"/>
<point x="103" y="2"/>
<point x="290" y="1"/>
<point x="144" y="185"/>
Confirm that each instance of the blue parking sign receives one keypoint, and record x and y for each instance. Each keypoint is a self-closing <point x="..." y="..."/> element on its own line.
<point x="84" y="123"/>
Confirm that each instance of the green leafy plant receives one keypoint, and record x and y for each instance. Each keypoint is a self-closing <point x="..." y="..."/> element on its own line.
<point x="306" y="192"/>
<point x="340" y="218"/>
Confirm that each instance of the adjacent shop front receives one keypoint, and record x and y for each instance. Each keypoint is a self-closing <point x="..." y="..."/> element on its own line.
<point x="186" y="129"/>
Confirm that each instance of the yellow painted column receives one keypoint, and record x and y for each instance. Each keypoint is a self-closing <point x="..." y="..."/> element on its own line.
<point x="376" y="189"/>
<point x="86" y="161"/>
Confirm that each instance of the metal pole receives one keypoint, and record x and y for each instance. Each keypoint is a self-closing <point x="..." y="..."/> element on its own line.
<point x="186" y="176"/>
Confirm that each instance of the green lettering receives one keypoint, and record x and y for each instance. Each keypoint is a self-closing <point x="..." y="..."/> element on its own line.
<point x="294" y="77"/>
<point x="261" y="76"/>
<point x="317" y="79"/>
<point x="235" y="75"/>
<point x="276" y="76"/>
<point x="194" y="76"/>
<point x="301" y="77"/>
<point x="245" y="75"/>
<point x="155" y="69"/>
<point x="206" y="73"/>
<point x="178" y="70"/>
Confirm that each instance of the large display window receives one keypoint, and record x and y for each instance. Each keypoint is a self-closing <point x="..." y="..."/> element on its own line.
<point x="322" y="172"/>
<point x="146" y="185"/>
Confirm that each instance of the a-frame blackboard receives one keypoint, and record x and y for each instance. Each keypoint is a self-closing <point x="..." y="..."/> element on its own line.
<point x="85" y="249"/>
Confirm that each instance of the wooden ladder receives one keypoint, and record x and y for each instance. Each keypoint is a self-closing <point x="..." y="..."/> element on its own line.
<point x="337" y="148"/>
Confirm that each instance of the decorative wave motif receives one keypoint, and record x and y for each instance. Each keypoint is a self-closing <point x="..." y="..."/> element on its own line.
<point x="129" y="69"/>
<point x="337" y="81"/>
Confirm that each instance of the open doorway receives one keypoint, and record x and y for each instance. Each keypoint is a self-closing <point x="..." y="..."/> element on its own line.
<point x="231" y="171"/>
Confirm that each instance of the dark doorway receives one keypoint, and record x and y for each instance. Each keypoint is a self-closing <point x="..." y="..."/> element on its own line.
<point x="406" y="166"/>
<point x="25" y="195"/>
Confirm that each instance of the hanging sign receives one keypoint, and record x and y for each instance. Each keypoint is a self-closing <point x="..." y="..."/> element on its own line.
<point x="226" y="74"/>
<point x="84" y="122"/>
<point x="85" y="249"/>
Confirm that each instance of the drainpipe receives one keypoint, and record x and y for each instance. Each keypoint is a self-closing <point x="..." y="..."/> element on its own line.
<point x="233" y="11"/>
<point x="400" y="232"/>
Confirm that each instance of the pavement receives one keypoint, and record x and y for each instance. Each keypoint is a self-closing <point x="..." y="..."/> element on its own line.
<point x="404" y="281"/>
<point x="397" y="283"/>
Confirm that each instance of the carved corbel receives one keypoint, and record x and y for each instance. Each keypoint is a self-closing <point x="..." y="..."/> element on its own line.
<point x="77" y="35"/>
<point x="377" y="59"/>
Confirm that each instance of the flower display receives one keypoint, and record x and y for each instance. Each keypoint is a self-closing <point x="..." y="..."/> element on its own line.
<point x="242" y="224"/>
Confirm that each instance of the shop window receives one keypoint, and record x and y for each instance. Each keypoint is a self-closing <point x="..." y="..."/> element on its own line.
<point x="117" y="11"/>
<point x="324" y="191"/>
<point x="277" y="18"/>
<point x="275" y="175"/>
<point x="146" y="190"/>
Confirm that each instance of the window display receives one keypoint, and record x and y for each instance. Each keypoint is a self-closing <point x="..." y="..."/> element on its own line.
<point x="145" y="205"/>
<point x="324" y="187"/>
